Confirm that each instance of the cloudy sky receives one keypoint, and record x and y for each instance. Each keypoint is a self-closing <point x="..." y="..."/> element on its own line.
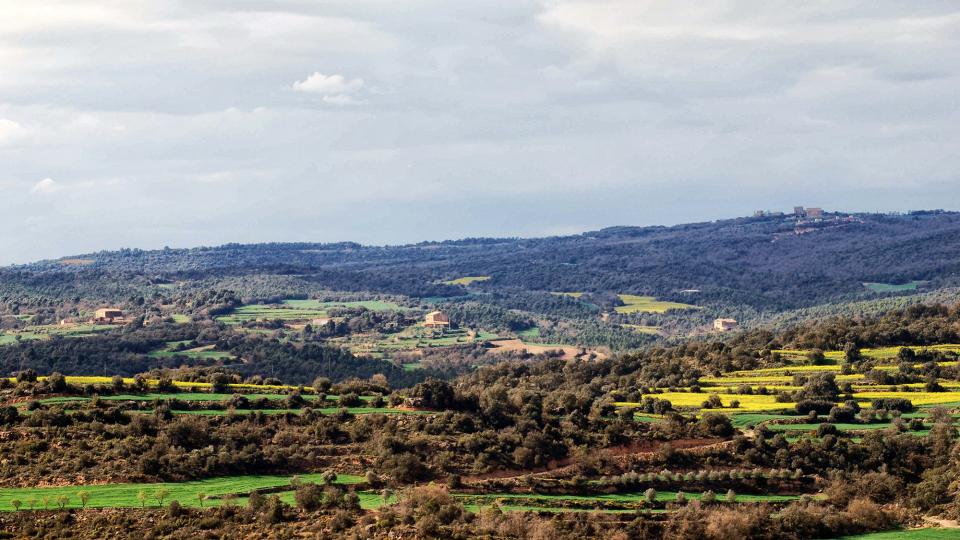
<point x="197" y="122"/>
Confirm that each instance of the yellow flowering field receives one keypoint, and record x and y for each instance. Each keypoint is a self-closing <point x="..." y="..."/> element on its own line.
<point x="695" y="400"/>
<point x="93" y="379"/>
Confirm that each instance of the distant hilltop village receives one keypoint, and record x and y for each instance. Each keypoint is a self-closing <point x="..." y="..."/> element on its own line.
<point x="798" y="211"/>
<point x="808" y="220"/>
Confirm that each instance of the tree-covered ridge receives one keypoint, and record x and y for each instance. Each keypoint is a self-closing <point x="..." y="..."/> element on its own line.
<point x="757" y="263"/>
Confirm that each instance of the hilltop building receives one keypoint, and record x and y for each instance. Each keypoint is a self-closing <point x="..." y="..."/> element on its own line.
<point x="725" y="325"/>
<point x="812" y="213"/>
<point x="436" y="319"/>
<point x="108" y="316"/>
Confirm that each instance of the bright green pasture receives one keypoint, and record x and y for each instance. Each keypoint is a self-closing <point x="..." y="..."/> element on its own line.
<point x="648" y="304"/>
<point x="467" y="280"/>
<point x="622" y="498"/>
<point x="201" y="353"/>
<point x="914" y="534"/>
<point x="840" y="426"/>
<point x="326" y="410"/>
<point x="47" y="330"/>
<point x="748" y="419"/>
<point x="530" y="333"/>
<point x="299" y="310"/>
<point x="875" y="353"/>
<point x="182" y="396"/>
<point x="125" y="495"/>
<point x="651" y="330"/>
<point x="369" y="500"/>
<point x="890" y="287"/>
<point x="412" y="338"/>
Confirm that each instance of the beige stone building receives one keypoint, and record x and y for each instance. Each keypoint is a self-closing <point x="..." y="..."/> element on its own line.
<point x="436" y="319"/>
<point x="724" y="325"/>
<point x="108" y="316"/>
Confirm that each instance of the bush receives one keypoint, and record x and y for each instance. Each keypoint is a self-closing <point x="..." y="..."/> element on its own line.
<point x="893" y="404"/>
<point x="826" y="429"/>
<point x="309" y="497"/>
<point x="818" y="406"/>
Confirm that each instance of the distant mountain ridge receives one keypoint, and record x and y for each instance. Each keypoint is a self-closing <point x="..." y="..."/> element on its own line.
<point x="762" y="263"/>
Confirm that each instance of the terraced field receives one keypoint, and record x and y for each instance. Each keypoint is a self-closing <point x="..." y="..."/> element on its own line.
<point x="570" y="294"/>
<point x="876" y="353"/>
<point x="694" y="400"/>
<point x="182" y="396"/>
<point x="648" y="304"/>
<point x="206" y="352"/>
<point x="127" y="495"/>
<point x="606" y="503"/>
<point x="892" y="288"/>
<point x="80" y="380"/>
<point x="914" y="534"/>
<point x="729" y="387"/>
<point x="413" y="338"/>
<point x="48" y="330"/>
<point x="467" y="280"/>
<point x="326" y="410"/>
<point x="298" y="310"/>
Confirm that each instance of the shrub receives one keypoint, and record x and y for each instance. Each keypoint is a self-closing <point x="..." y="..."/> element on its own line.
<point x="309" y="497"/>
<point x="893" y="404"/>
<point x="819" y="406"/>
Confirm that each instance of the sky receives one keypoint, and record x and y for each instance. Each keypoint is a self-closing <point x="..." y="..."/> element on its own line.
<point x="156" y="123"/>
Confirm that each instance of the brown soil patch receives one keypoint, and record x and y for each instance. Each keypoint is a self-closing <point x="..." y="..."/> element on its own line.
<point x="636" y="448"/>
<point x="569" y="352"/>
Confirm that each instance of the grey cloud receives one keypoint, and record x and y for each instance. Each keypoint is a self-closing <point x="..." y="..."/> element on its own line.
<point x="181" y="120"/>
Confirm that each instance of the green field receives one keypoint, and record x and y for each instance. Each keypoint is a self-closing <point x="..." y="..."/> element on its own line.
<point x="889" y="287"/>
<point x="630" y="498"/>
<point x="748" y="419"/>
<point x="840" y="427"/>
<point x="327" y="410"/>
<point x="650" y="330"/>
<point x="299" y="310"/>
<point x="570" y="294"/>
<point x="648" y="304"/>
<point x="201" y="353"/>
<point x="467" y="280"/>
<point x="125" y="495"/>
<point x="47" y="330"/>
<point x="914" y="534"/>
<point x="412" y="338"/>
<point x="530" y="333"/>
<point x="368" y="500"/>
<point x="476" y="508"/>
<point x="182" y="396"/>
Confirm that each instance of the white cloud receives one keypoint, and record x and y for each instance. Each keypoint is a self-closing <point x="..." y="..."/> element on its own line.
<point x="46" y="186"/>
<point x="335" y="89"/>
<point x="592" y="105"/>
<point x="341" y="99"/>
<point x="11" y="132"/>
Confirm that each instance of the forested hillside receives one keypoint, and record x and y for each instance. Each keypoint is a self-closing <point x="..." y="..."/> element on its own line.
<point x="758" y="263"/>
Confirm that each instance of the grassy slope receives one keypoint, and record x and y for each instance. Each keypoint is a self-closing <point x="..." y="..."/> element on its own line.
<point x="915" y="534"/>
<point x="125" y="495"/>
<point x="648" y="304"/>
